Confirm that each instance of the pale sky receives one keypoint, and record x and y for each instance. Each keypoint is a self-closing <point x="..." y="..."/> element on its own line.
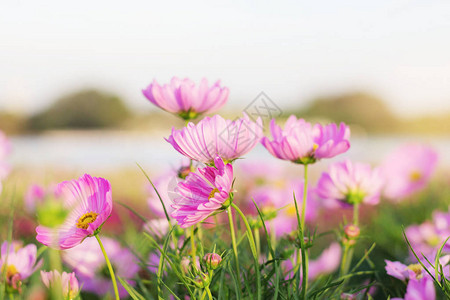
<point x="292" y="50"/>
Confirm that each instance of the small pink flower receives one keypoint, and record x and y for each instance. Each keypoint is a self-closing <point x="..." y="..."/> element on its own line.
<point x="67" y="281"/>
<point x="89" y="204"/>
<point x="202" y="193"/>
<point x="19" y="263"/>
<point x="403" y="272"/>
<point x="215" y="136"/>
<point x="427" y="237"/>
<point x="407" y="170"/>
<point x="303" y="143"/>
<point x="185" y="98"/>
<point x="350" y="183"/>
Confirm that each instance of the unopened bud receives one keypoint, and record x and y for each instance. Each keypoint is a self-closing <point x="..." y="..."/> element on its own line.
<point x="352" y="231"/>
<point x="201" y="280"/>
<point x="183" y="172"/>
<point x="212" y="260"/>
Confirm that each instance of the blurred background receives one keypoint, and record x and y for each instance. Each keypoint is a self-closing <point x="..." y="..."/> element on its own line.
<point x="72" y="73"/>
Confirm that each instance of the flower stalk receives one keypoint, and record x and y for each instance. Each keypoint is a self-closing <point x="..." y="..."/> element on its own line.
<point x="110" y="268"/>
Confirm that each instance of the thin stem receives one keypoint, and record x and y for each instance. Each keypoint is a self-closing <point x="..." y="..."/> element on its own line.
<point x="252" y="247"/>
<point x="356" y="214"/>
<point x="348" y="249"/>
<point x="303" y="250"/>
<point x="305" y="192"/>
<point x="210" y="297"/>
<point x="111" y="271"/>
<point x="257" y="241"/>
<point x="233" y="240"/>
<point x="55" y="264"/>
<point x="344" y="260"/>
<point x="305" y="267"/>
<point x="193" y="248"/>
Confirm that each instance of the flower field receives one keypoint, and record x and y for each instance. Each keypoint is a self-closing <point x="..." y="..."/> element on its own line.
<point x="217" y="224"/>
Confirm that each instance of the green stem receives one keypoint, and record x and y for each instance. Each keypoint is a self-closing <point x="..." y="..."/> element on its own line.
<point x="356" y="214"/>
<point x="305" y="192"/>
<point x="348" y="249"/>
<point x="252" y="247"/>
<point x="344" y="260"/>
<point x="303" y="250"/>
<point x="55" y="264"/>
<point x="193" y="247"/>
<point x="111" y="271"/>
<point x="257" y="241"/>
<point x="233" y="240"/>
<point x="305" y="267"/>
<point x="210" y="297"/>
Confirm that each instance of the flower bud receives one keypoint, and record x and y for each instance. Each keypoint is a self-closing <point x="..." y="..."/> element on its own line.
<point x="201" y="280"/>
<point x="212" y="260"/>
<point x="184" y="171"/>
<point x="352" y="231"/>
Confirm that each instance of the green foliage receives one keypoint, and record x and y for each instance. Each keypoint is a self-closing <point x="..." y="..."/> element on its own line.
<point x="84" y="109"/>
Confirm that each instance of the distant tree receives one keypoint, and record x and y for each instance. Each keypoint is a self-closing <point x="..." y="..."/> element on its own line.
<point x="362" y="109"/>
<point x="83" y="109"/>
<point x="12" y="123"/>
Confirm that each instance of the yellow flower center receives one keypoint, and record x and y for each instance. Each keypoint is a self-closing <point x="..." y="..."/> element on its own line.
<point x="315" y="146"/>
<point x="290" y="210"/>
<point x="11" y="271"/>
<point x="417" y="269"/>
<point x="415" y="176"/>
<point x="86" y="219"/>
<point x="213" y="192"/>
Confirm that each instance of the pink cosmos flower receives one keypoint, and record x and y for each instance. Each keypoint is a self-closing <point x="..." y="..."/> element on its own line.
<point x="19" y="262"/>
<point x="215" y="136"/>
<point x="427" y="237"/>
<point x="403" y="272"/>
<point x="202" y="193"/>
<point x="89" y="204"/>
<point x="326" y="263"/>
<point x="89" y="265"/>
<point x="67" y="281"/>
<point x="350" y="183"/>
<point x="303" y="143"/>
<point x="185" y="98"/>
<point x="407" y="170"/>
<point x="419" y="290"/>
